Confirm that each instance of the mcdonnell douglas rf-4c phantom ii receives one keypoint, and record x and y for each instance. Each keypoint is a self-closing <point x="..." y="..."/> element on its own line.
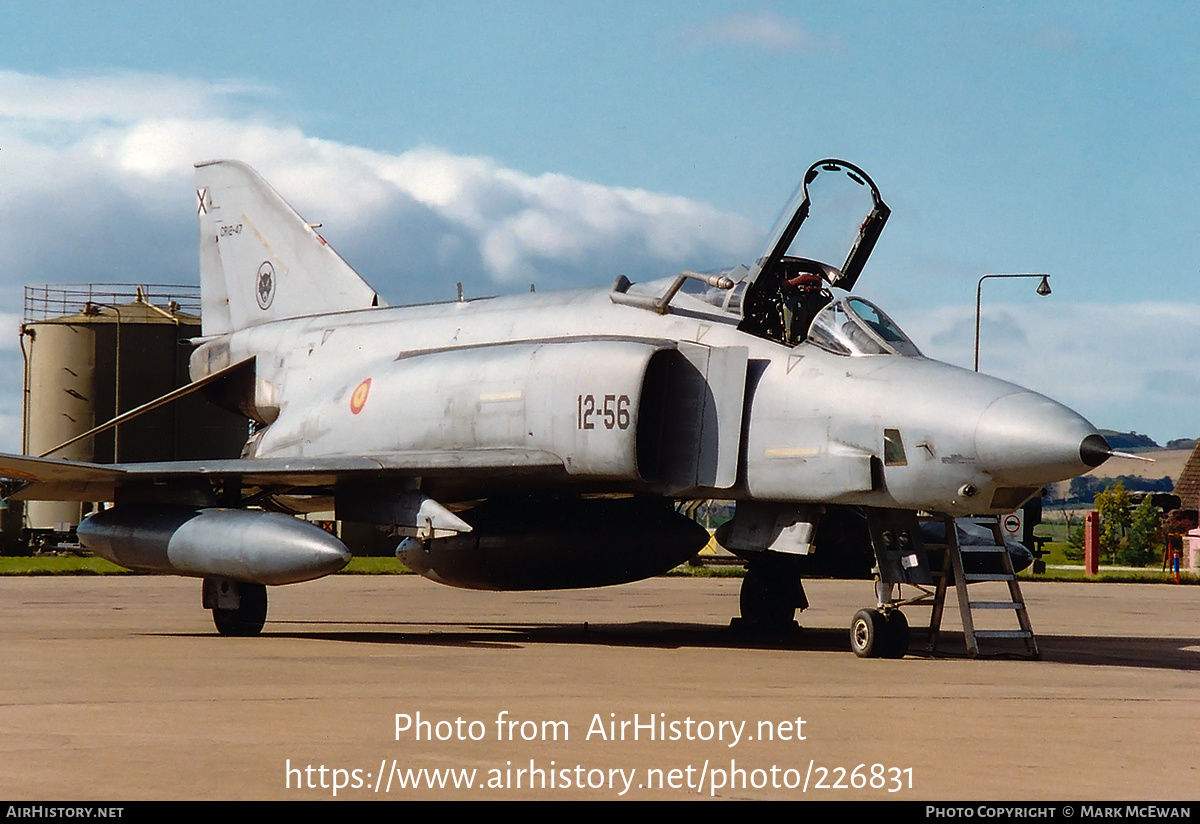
<point x="543" y="440"/>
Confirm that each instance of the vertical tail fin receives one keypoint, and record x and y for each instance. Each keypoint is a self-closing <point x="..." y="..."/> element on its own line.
<point x="259" y="260"/>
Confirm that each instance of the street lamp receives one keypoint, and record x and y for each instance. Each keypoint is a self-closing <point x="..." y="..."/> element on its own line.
<point x="1043" y="289"/>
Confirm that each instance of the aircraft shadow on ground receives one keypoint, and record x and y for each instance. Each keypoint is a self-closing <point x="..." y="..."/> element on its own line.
<point x="1117" y="651"/>
<point x="1137" y="652"/>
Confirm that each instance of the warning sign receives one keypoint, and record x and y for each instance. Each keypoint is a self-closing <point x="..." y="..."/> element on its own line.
<point x="1012" y="523"/>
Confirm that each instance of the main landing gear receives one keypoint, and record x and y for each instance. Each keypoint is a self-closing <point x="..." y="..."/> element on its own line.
<point x="238" y="608"/>
<point x="771" y="593"/>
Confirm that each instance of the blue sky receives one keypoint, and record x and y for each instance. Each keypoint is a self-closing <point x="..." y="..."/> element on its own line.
<point x="566" y="143"/>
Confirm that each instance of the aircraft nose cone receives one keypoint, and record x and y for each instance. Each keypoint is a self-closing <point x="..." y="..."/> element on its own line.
<point x="1094" y="450"/>
<point x="1027" y="439"/>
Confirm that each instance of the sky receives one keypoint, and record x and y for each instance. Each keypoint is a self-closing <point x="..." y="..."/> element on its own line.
<point x="507" y="143"/>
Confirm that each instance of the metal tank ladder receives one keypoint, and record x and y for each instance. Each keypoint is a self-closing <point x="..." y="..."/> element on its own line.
<point x="952" y="560"/>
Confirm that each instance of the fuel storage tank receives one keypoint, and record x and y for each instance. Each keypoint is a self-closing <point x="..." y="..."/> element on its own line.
<point x="95" y="351"/>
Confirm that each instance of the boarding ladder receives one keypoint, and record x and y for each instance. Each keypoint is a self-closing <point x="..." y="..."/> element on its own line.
<point x="952" y="563"/>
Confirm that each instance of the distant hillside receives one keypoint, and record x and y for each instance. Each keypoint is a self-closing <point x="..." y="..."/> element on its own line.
<point x="1128" y="440"/>
<point x="1136" y="475"/>
<point x="1182" y="443"/>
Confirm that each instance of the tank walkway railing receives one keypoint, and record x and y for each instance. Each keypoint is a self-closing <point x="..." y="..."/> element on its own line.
<point x="55" y="300"/>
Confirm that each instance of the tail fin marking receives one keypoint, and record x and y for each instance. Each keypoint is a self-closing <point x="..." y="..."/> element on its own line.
<point x="259" y="260"/>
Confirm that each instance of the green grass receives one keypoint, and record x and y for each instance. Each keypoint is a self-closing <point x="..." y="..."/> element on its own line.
<point x="1056" y="553"/>
<point x="722" y="571"/>
<point x="73" y="565"/>
<point x="59" y="565"/>
<point x="375" y="566"/>
<point x="1146" y="576"/>
<point x="1056" y="557"/>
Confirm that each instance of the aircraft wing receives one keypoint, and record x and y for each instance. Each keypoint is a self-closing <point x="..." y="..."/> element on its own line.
<point x="49" y="479"/>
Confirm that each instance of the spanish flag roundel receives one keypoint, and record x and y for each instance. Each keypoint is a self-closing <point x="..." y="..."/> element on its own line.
<point x="359" y="398"/>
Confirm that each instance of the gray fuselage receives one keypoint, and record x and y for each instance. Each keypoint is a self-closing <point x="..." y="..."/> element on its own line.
<point x="518" y="374"/>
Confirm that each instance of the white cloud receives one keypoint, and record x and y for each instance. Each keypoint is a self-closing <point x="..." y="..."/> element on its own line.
<point x="763" y="30"/>
<point x="96" y="185"/>
<point x="111" y="156"/>
<point x="121" y="97"/>
<point x="10" y="322"/>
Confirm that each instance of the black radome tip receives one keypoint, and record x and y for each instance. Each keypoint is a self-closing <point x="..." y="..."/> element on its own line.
<point x="1094" y="451"/>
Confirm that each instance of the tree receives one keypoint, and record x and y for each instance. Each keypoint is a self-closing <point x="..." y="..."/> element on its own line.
<point x="1074" y="550"/>
<point x="1116" y="516"/>
<point x="1145" y="535"/>
<point x="1080" y="489"/>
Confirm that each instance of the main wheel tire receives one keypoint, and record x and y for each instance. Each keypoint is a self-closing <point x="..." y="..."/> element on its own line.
<point x="763" y="600"/>
<point x="867" y="631"/>
<point x="249" y="617"/>
<point x="895" y="635"/>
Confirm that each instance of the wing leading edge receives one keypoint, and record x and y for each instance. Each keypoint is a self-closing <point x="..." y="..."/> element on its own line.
<point x="48" y="479"/>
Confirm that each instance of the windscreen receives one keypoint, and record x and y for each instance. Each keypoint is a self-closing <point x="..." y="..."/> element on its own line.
<point x="853" y="326"/>
<point x="828" y="231"/>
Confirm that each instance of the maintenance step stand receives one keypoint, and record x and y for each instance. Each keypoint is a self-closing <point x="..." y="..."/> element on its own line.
<point x="953" y="560"/>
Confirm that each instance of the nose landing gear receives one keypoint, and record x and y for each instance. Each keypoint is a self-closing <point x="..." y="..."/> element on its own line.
<point x="878" y="634"/>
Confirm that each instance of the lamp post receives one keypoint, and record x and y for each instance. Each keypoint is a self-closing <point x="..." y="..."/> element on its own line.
<point x="1043" y="289"/>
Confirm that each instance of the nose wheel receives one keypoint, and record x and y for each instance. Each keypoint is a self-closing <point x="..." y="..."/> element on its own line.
<point x="876" y="634"/>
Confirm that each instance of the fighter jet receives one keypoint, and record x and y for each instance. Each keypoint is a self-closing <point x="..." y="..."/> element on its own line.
<point x="546" y="440"/>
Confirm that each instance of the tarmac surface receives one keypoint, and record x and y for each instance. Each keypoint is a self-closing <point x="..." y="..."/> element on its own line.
<point x="118" y="688"/>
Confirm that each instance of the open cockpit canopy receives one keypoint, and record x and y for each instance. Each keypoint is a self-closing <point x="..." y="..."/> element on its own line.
<point x="786" y="288"/>
<point x="849" y="219"/>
